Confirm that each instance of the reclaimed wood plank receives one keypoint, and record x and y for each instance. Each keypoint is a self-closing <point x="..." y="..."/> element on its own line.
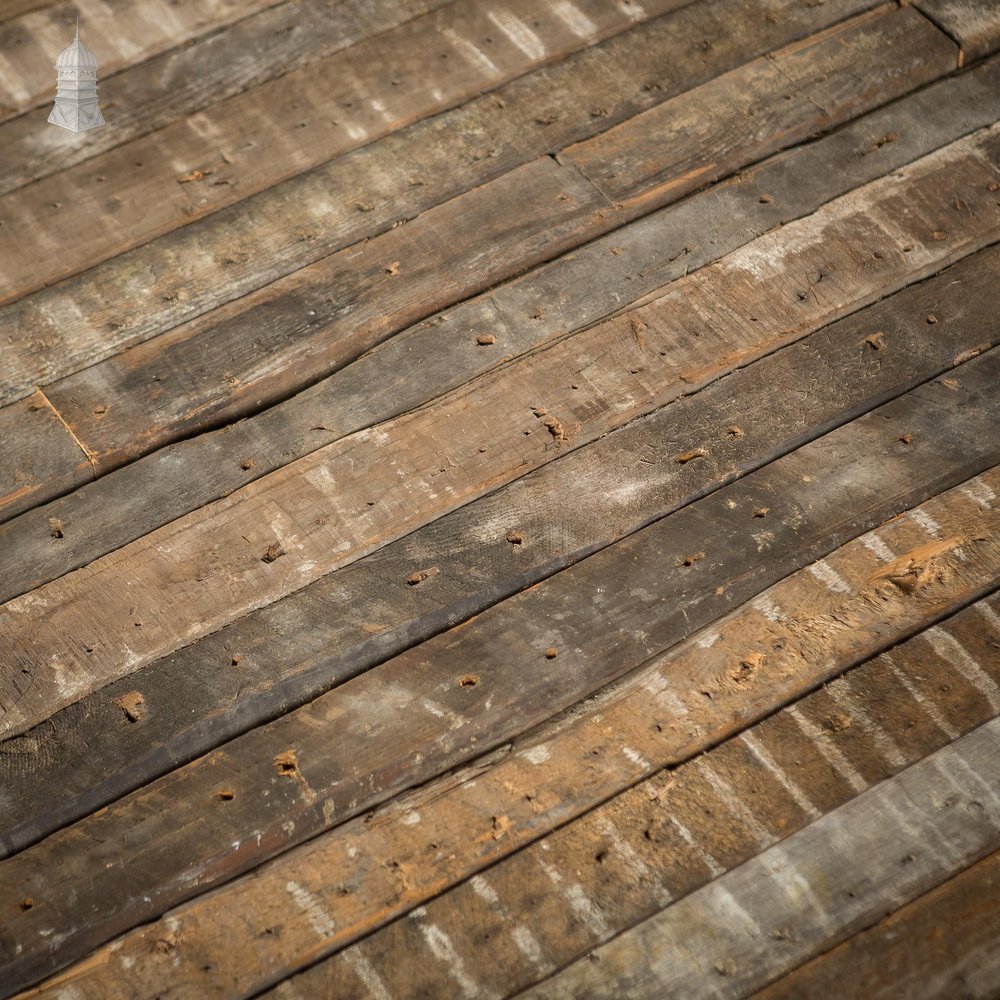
<point x="121" y="33"/>
<point x="183" y="81"/>
<point x="261" y="137"/>
<point x="882" y="849"/>
<point x="183" y="275"/>
<point x="944" y="944"/>
<point x="471" y="688"/>
<point x="577" y="289"/>
<point x="974" y="25"/>
<point x="94" y="752"/>
<point x="549" y="903"/>
<point x="639" y="161"/>
<point x="659" y="716"/>
<point x="361" y="492"/>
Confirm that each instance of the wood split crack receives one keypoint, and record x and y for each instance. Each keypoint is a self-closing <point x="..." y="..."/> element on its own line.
<point x="91" y="455"/>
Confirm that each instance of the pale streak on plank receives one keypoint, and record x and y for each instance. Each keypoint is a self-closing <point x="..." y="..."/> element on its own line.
<point x="442" y="949"/>
<point x="930" y="708"/>
<point x="584" y="908"/>
<point x="523" y="939"/>
<point x="797" y="794"/>
<point x="951" y="650"/>
<point x="887" y="747"/>
<point x="825" y="745"/>
<point x="730" y="798"/>
<point x="849" y="860"/>
<point x="308" y="507"/>
<point x="368" y="975"/>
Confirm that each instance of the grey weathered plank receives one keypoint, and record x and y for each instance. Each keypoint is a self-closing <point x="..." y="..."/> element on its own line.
<point x="974" y="24"/>
<point x="94" y="754"/>
<point x="186" y="80"/>
<point x="349" y="498"/>
<point x="467" y="690"/>
<point x="833" y="878"/>
<point x="577" y="289"/>
<point x="549" y="902"/>
<point x="944" y="944"/>
<point x="121" y="33"/>
<point x="181" y="276"/>
<point x="801" y="631"/>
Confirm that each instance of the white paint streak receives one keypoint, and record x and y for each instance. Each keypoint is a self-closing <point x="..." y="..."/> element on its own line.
<point x="574" y="19"/>
<point x="925" y="521"/>
<point x="580" y="903"/>
<point x="706" y="859"/>
<point x="877" y="547"/>
<point x="519" y="33"/>
<point x="887" y="747"/>
<point x="755" y="747"/>
<point x="952" y="651"/>
<point x="443" y="950"/>
<point x="768" y="608"/>
<point x="365" y="971"/>
<point x="829" y="752"/>
<point x="728" y="795"/>
<point x="825" y="573"/>
<point x="537" y="755"/>
<point x="320" y="921"/>
<point x="630" y="858"/>
<point x="528" y="946"/>
<point x="471" y="53"/>
<point x="929" y="707"/>
<point x="978" y="492"/>
<point x="636" y="758"/>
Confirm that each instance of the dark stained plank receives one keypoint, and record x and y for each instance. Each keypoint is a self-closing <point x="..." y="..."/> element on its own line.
<point x="466" y="691"/>
<point x="320" y="318"/>
<point x="684" y="702"/>
<point x="120" y="32"/>
<point x="331" y="507"/>
<point x="944" y="944"/>
<point x="280" y="129"/>
<point x="549" y="903"/>
<point x="577" y="289"/>
<point x="800" y="897"/>
<point x="181" y="276"/>
<point x="183" y="81"/>
<point x="974" y="24"/>
<point x="94" y="754"/>
<point x="642" y="160"/>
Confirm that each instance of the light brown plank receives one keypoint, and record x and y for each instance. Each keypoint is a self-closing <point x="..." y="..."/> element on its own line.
<point x="318" y="511"/>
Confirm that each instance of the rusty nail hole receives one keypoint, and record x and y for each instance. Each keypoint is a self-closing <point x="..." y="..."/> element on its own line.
<point x="551" y="653"/>
<point x="56" y="528"/>
<point x="486" y="339"/>
<point x="469" y="681"/>
<point x="876" y="341"/>
<point x="734" y="431"/>
<point x="761" y="511"/>
<point x="27" y="903"/>
<point x="420" y="575"/>
<point x="247" y="464"/>
<point x="287" y="763"/>
<point x="236" y="659"/>
<point x="691" y="560"/>
<point x="905" y="438"/>
<point x="932" y="319"/>
<point x="515" y="537"/>
<point x="273" y="553"/>
<point x="938" y="236"/>
<point x="225" y="794"/>
<point x="765" y="199"/>
<point x="687" y="456"/>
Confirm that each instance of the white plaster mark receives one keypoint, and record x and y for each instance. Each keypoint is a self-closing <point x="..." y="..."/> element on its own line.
<point x="519" y="33"/>
<point x="574" y="19"/>
<point x="978" y="492"/>
<point x="825" y="573"/>
<point x="887" y="747"/>
<point x="799" y="797"/>
<point x="929" y="707"/>
<point x="954" y="653"/>
<point x="727" y="794"/>
<point x="365" y="971"/>
<point x="671" y="702"/>
<point x="731" y="909"/>
<point x="443" y="950"/>
<point x="877" y="547"/>
<point x="581" y="904"/>
<point x="631" y="9"/>
<point x="992" y="618"/>
<point x="537" y="755"/>
<point x="925" y="521"/>
<point x="636" y="758"/>
<point x="830" y="753"/>
<point x="356" y="132"/>
<point x="630" y="858"/>
<point x="471" y="53"/>
<point x="527" y="945"/>
<point x="412" y="818"/>
<point x="766" y="606"/>
<point x="708" y="640"/>
<point x="320" y="921"/>
<point x="703" y="856"/>
<point x="485" y="891"/>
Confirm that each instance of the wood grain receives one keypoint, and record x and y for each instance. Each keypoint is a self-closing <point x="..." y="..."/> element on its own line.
<point x="548" y="903"/>
<point x="835" y="876"/>
<point x="577" y="289"/>
<point x="363" y="491"/>
<point x="120" y="32"/>
<point x="184" y="81"/>
<point x="94" y="753"/>
<point x="799" y="633"/>
<point x="184" y="275"/>
<point x="975" y="26"/>
<point x="946" y="943"/>
<point x="418" y="700"/>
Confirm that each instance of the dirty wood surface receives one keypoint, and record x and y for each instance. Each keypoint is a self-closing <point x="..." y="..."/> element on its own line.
<point x="505" y="496"/>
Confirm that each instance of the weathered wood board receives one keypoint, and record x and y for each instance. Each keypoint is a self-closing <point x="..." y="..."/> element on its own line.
<point x="94" y="753"/>
<point x="576" y="290"/>
<point x="974" y="24"/>
<point x="139" y="597"/>
<point x="797" y="634"/>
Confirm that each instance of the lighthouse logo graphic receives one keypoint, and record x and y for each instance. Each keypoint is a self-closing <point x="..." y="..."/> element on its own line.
<point x="76" y="106"/>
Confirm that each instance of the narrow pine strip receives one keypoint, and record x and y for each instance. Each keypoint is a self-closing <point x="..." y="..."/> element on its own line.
<point x="974" y="25"/>
<point x="549" y="903"/>
<point x="95" y="752"/>
<point x="765" y="654"/>
<point x="578" y="289"/>
<point x="186" y="274"/>
<point x="121" y="33"/>
<point x="470" y="689"/>
<point x="184" y="81"/>
<point x="944" y="944"/>
<point x="798" y="898"/>
<point x="284" y="531"/>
